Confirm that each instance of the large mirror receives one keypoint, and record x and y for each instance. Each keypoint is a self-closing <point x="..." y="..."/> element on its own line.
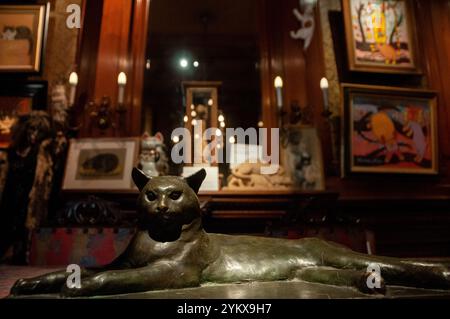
<point x="204" y="41"/>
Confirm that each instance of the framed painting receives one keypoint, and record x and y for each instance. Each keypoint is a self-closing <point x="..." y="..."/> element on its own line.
<point x="381" y="36"/>
<point x="23" y="30"/>
<point x="103" y="164"/>
<point x="303" y="159"/>
<point x="19" y="99"/>
<point x="389" y="130"/>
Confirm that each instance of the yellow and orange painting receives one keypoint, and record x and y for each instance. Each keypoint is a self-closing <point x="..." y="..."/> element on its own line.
<point x="392" y="135"/>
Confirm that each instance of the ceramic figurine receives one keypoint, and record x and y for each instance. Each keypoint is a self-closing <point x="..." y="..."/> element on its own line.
<point x="153" y="159"/>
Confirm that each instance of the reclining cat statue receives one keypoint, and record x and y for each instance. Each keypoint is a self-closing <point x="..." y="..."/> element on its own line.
<point x="171" y="251"/>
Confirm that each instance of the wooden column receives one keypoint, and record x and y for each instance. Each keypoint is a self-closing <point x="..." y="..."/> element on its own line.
<point x="300" y="69"/>
<point x="121" y="48"/>
<point x="138" y="59"/>
<point x="434" y="20"/>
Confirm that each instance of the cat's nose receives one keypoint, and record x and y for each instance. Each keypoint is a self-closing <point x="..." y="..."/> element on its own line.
<point x="162" y="209"/>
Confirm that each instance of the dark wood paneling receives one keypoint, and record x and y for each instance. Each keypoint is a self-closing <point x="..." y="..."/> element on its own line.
<point x="114" y="41"/>
<point x="87" y="55"/>
<point x="434" y="19"/>
<point x="139" y="30"/>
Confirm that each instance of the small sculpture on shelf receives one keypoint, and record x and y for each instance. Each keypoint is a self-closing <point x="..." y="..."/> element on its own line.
<point x="153" y="158"/>
<point x="248" y="176"/>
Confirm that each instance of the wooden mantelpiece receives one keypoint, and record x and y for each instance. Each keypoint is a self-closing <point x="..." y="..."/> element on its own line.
<point x="261" y="204"/>
<point x="403" y="224"/>
<point x="227" y="204"/>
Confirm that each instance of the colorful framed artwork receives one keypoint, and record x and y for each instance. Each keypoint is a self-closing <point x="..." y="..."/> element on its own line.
<point x="23" y="31"/>
<point x="389" y="130"/>
<point x="18" y="99"/>
<point x="381" y="36"/>
<point x="303" y="159"/>
<point x="103" y="164"/>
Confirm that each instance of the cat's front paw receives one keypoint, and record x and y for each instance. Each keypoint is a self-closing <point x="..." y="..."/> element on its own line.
<point x="24" y="287"/>
<point x="17" y="288"/>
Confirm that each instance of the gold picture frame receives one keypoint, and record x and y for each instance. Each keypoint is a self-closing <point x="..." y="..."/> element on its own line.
<point x="389" y="131"/>
<point x="381" y="36"/>
<point x="23" y="32"/>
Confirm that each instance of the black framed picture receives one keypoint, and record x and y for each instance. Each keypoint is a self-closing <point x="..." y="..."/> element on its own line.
<point x="19" y="98"/>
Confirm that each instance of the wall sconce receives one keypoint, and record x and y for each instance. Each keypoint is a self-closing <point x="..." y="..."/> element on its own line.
<point x="297" y="114"/>
<point x="72" y="126"/>
<point x="103" y="115"/>
<point x="334" y="122"/>
<point x="73" y="82"/>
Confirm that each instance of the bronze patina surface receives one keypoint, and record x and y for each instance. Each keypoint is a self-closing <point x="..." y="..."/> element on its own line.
<point x="172" y="251"/>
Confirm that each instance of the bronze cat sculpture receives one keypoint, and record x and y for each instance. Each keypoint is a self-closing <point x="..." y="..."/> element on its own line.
<point x="171" y="250"/>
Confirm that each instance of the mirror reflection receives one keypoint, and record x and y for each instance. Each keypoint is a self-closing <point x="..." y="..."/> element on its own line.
<point x="202" y="40"/>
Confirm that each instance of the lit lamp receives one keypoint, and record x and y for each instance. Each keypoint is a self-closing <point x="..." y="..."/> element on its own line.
<point x="279" y="90"/>
<point x="324" y="87"/>
<point x="73" y="81"/>
<point x="221" y="120"/>
<point x="278" y="83"/>
<point x="122" y="82"/>
<point x="334" y="125"/>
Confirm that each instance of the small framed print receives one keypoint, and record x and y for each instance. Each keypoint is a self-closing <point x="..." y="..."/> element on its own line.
<point x="389" y="131"/>
<point x="101" y="164"/>
<point x="23" y="31"/>
<point x="381" y="36"/>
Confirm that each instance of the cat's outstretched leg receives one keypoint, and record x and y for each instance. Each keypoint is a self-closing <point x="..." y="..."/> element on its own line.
<point x="46" y="284"/>
<point x="395" y="271"/>
<point x="342" y="277"/>
<point x="164" y="275"/>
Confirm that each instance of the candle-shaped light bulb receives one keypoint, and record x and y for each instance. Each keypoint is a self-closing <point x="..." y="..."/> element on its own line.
<point x="73" y="81"/>
<point x="279" y="89"/>
<point x="324" y="87"/>
<point x="122" y="82"/>
<point x="324" y="83"/>
<point x="278" y="82"/>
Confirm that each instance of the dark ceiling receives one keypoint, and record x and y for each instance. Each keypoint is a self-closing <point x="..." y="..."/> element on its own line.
<point x="191" y="16"/>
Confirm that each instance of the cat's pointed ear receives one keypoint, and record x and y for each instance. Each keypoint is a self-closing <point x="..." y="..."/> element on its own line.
<point x="160" y="137"/>
<point x="196" y="180"/>
<point x="139" y="178"/>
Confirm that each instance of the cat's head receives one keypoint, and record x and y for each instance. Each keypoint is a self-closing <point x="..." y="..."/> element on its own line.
<point x="167" y="203"/>
<point x="152" y="142"/>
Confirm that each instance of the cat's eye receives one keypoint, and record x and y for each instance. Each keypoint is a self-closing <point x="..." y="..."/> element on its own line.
<point x="175" y="195"/>
<point x="151" y="196"/>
